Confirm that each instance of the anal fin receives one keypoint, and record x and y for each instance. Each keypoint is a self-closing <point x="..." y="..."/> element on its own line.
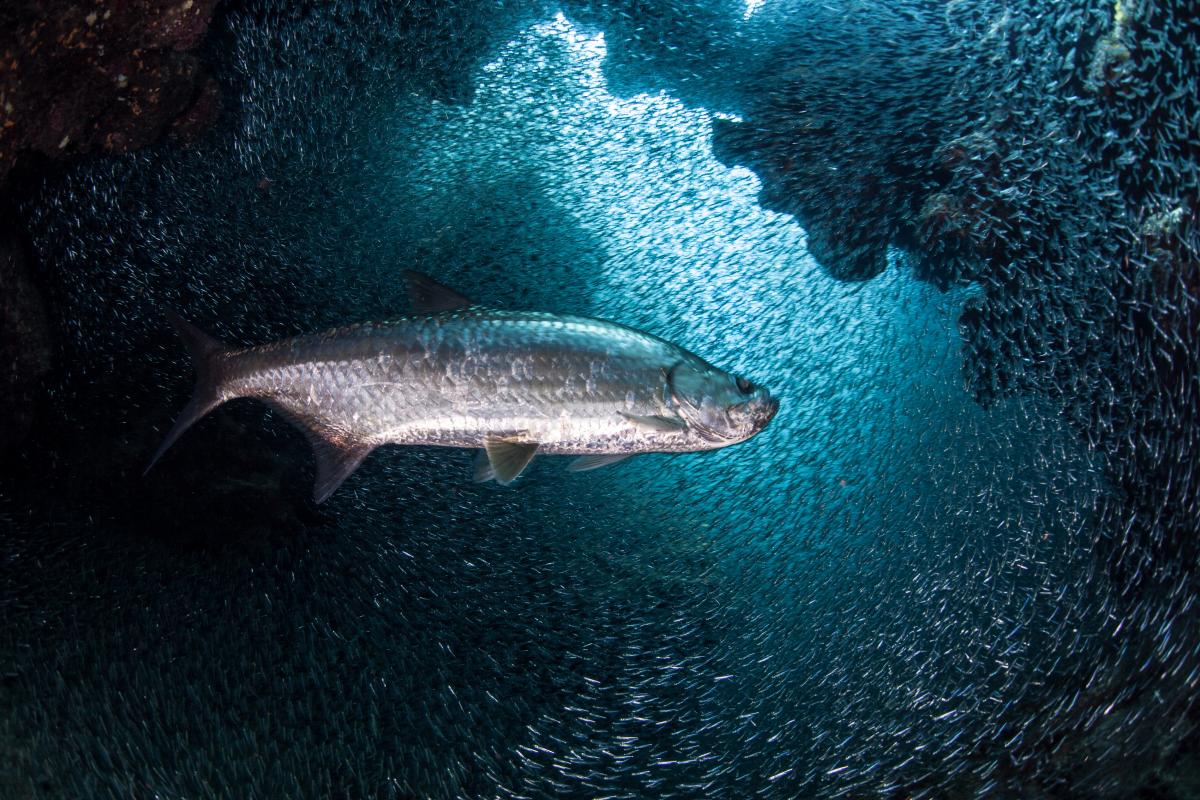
<point x="335" y="463"/>
<point x="337" y="456"/>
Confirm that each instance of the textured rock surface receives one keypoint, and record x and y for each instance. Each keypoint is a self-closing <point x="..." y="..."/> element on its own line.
<point x="100" y="77"/>
<point x="840" y="119"/>
<point x="1049" y="157"/>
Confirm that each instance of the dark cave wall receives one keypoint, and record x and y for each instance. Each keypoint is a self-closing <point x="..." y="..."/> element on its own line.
<point x="100" y="77"/>
<point x="77" y="79"/>
<point x="26" y="343"/>
<point x="1055" y="166"/>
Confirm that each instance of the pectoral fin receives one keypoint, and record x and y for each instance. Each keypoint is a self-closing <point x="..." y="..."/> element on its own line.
<point x="659" y="424"/>
<point x="507" y="458"/>
<point x="585" y="463"/>
<point x="483" y="467"/>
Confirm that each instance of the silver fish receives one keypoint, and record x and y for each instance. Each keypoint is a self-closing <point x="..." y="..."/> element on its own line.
<point x="455" y="374"/>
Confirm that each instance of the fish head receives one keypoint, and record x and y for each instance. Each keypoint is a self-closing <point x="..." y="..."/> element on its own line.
<point x="721" y="408"/>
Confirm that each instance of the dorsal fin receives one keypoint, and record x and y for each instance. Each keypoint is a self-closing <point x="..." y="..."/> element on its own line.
<point x="429" y="297"/>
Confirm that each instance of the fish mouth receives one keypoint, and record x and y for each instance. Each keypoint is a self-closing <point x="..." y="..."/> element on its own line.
<point x="770" y="410"/>
<point x="763" y="412"/>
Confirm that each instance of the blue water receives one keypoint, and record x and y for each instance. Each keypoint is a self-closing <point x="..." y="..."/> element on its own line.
<point x="891" y="591"/>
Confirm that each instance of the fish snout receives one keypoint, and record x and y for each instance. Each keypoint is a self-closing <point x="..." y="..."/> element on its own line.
<point x="766" y="409"/>
<point x="771" y="409"/>
<point x="748" y="418"/>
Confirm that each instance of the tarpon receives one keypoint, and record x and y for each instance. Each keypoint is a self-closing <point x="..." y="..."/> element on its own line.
<point x="512" y="383"/>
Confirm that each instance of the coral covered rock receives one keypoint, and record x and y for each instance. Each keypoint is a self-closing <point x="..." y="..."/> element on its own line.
<point x="100" y="77"/>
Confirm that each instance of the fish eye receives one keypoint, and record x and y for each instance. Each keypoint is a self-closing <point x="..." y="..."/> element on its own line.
<point x="744" y="386"/>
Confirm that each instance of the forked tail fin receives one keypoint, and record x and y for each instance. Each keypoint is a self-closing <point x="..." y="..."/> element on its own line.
<point x="207" y="395"/>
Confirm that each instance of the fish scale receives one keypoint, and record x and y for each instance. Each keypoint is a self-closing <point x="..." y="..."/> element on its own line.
<point x="511" y="383"/>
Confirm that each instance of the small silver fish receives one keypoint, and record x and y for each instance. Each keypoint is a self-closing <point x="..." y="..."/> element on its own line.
<point x="455" y="374"/>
